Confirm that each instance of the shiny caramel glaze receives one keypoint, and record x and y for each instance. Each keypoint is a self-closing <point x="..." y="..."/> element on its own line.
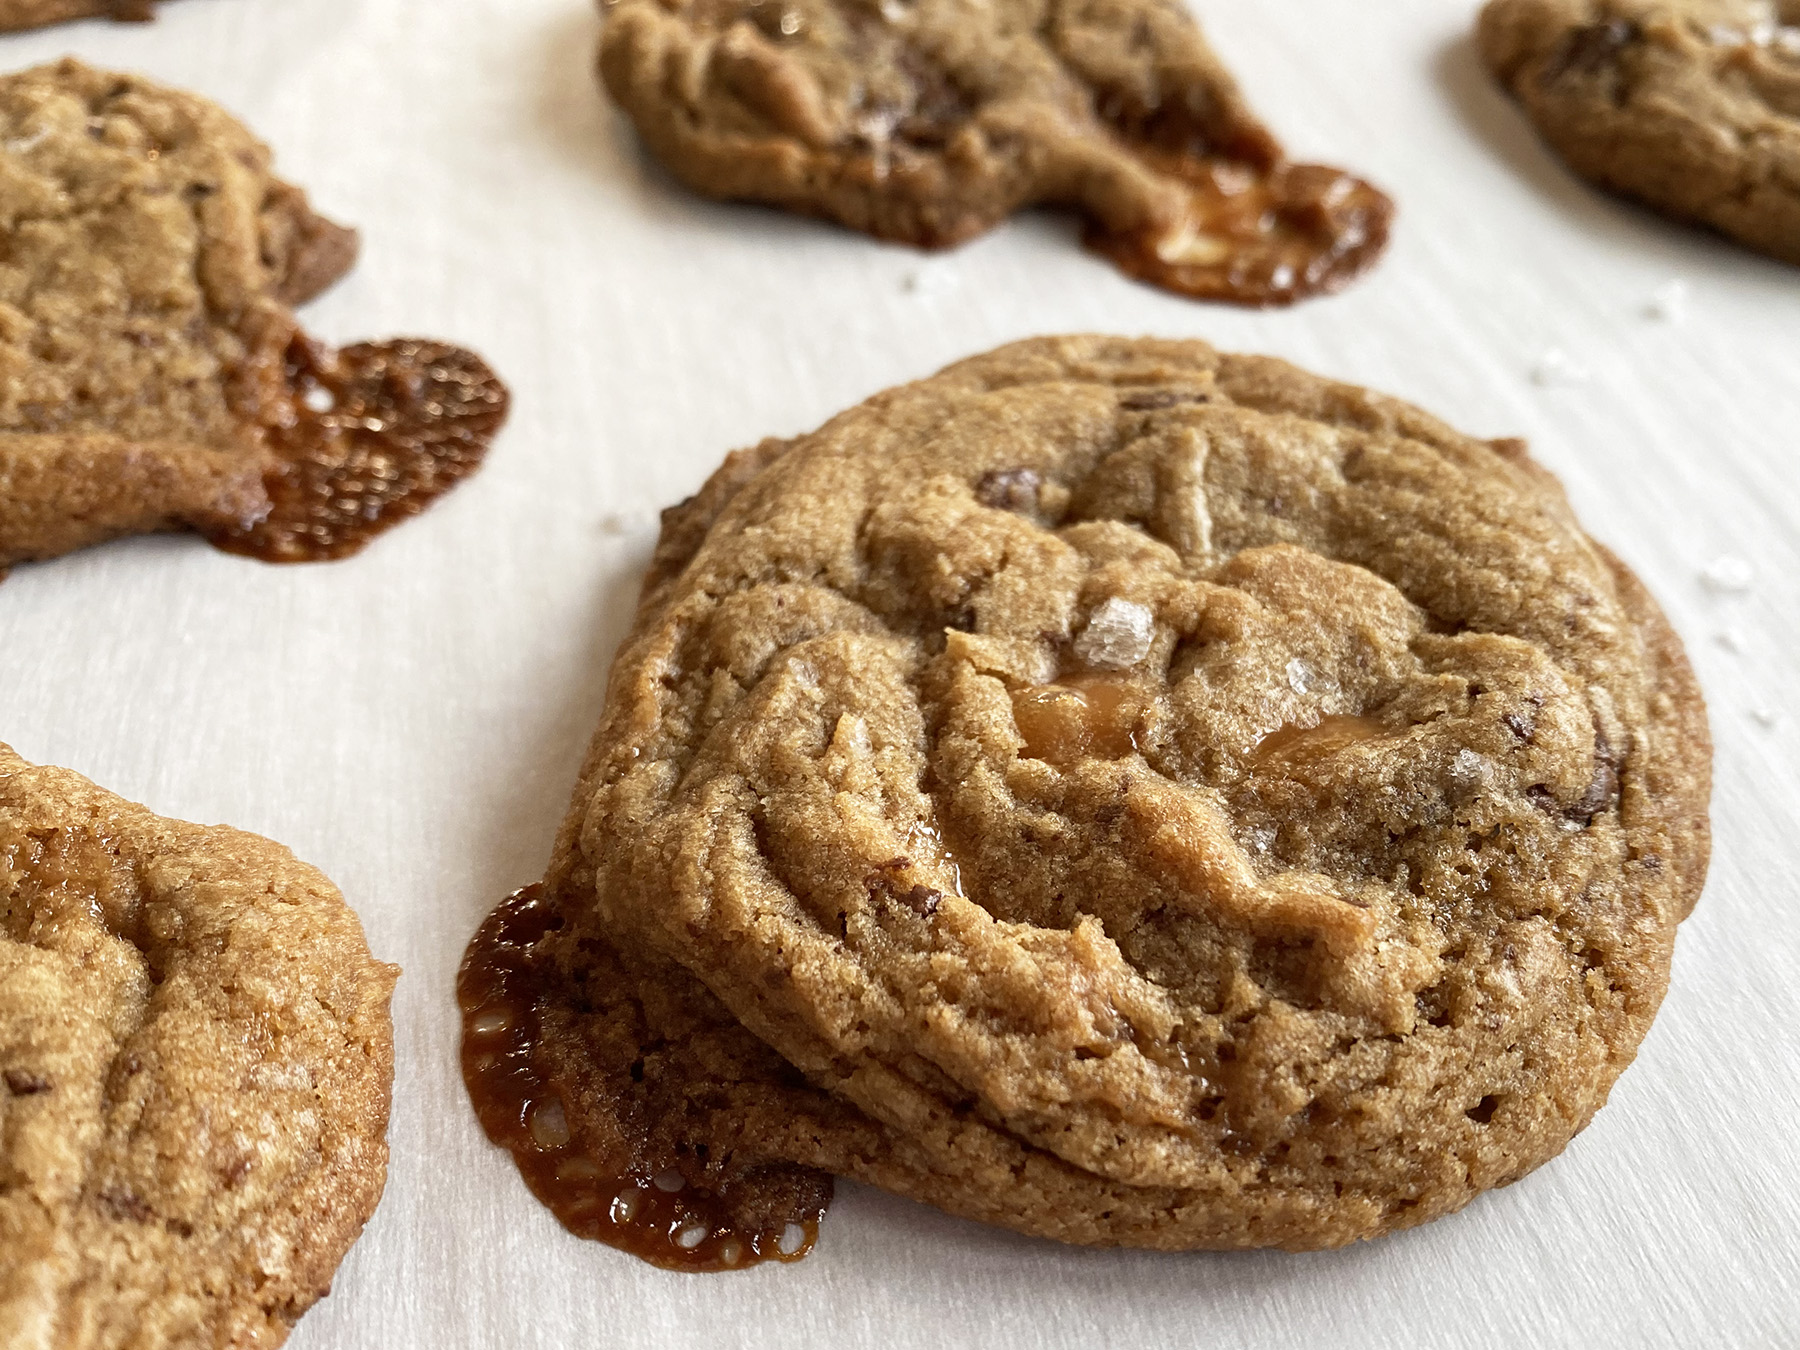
<point x="629" y="1198"/>
<point x="376" y="433"/>
<point x="1258" y="236"/>
<point x="1293" y="743"/>
<point x="1083" y="716"/>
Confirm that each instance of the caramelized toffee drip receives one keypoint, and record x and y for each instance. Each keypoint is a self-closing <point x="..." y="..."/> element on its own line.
<point x="1326" y="737"/>
<point x="1255" y="236"/>
<point x="378" y="432"/>
<point x="639" y="1203"/>
<point x="1083" y="716"/>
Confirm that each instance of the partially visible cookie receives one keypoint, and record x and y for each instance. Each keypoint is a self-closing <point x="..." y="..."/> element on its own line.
<point x="1113" y="789"/>
<point x="930" y="121"/>
<point x="17" y="14"/>
<point x="152" y="374"/>
<point x="195" y="1066"/>
<point x="1692" y="106"/>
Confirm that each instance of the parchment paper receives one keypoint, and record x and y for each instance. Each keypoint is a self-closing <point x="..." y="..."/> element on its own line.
<point x="411" y="720"/>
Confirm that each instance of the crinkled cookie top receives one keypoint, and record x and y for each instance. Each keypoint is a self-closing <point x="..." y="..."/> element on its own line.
<point x="1178" y="800"/>
<point x="930" y="121"/>
<point x="1692" y="106"/>
<point x="195" y="1066"/>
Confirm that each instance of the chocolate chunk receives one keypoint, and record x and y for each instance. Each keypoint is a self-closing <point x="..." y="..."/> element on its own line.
<point x="124" y="1205"/>
<point x="24" y="1083"/>
<point x="1591" y="49"/>
<point x="1153" y="399"/>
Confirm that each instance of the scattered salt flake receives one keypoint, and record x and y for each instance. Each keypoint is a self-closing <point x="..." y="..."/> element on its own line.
<point x="1727" y="574"/>
<point x="669" y="1180"/>
<point x="1299" y="677"/>
<point x="793" y="1238"/>
<point x="1468" y="768"/>
<point x="932" y="279"/>
<point x="1557" y="367"/>
<point x="1732" y="640"/>
<point x="319" y="399"/>
<point x="1767" y="717"/>
<point x="1668" y="302"/>
<point x="691" y="1236"/>
<point x="1118" y="635"/>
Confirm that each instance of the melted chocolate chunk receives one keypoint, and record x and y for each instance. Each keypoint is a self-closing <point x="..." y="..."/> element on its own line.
<point x="376" y="434"/>
<point x="923" y="901"/>
<point x="1591" y="49"/>
<point x="1603" y="789"/>
<point x="629" y="1198"/>
<point x="24" y="1083"/>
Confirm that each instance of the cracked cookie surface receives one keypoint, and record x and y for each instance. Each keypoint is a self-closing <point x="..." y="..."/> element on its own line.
<point x="930" y="121"/>
<point x="195" y="1066"/>
<point x="152" y="374"/>
<point x="1121" y="791"/>
<point x="1692" y="106"/>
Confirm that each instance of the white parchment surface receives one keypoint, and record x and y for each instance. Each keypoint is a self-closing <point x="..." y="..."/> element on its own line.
<point x="411" y="720"/>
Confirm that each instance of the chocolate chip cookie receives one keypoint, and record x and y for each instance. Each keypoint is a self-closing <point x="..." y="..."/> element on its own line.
<point x="1692" y="106"/>
<point x="17" y="14"/>
<point x="930" y="121"/>
<point x="152" y="374"/>
<point x="195" y="1065"/>
<point x="1113" y="789"/>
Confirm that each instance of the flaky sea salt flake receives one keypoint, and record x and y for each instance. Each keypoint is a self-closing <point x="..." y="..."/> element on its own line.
<point x="1727" y="574"/>
<point x="1557" y="367"/>
<point x="1668" y="302"/>
<point x="1118" y="635"/>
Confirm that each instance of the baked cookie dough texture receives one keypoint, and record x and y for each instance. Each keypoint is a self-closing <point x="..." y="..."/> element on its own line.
<point x="1131" y="794"/>
<point x="930" y="121"/>
<point x="17" y="14"/>
<point x="1692" y="106"/>
<point x="195" y="1066"/>
<point x="152" y="374"/>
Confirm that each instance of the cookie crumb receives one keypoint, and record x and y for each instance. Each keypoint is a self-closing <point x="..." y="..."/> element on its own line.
<point x="1766" y="717"/>
<point x="620" y="523"/>
<point x="1732" y="640"/>
<point x="1728" y="574"/>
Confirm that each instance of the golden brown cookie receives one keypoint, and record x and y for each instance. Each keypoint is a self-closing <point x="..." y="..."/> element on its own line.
<point x="1112" y="789"/>
<point x="1692" y="106"/>
<point x="930" y="121"/>
<point x="152" y="374"/>
<point x="17" y="14"/>
<point x="195" y="1066"/>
